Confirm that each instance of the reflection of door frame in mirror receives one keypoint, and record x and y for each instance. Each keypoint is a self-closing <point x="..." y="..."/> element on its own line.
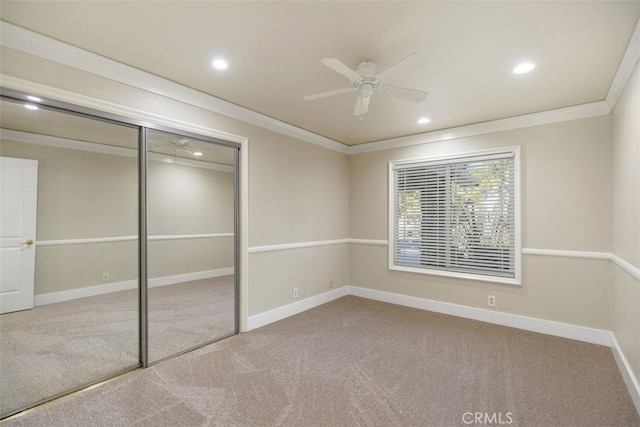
<point x="15" y="96"/>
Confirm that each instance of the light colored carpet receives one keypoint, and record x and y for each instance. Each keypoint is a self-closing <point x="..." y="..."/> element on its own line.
<point x="60" y="346"/>
<point x="357" y="362"/>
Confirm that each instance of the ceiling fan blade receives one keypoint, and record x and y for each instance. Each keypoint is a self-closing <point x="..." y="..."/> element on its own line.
<point x="414" y="60"/>
<point x="362" y="106"/>
<point x="413" y="95"/>
<point x="329" y="93"/>
<point x="337" y="66"/>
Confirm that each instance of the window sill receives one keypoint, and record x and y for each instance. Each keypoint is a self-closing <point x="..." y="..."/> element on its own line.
<point x="492" y="279"/>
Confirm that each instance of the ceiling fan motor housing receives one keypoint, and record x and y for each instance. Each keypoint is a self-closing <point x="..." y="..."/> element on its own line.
<point x="368" y="71"/>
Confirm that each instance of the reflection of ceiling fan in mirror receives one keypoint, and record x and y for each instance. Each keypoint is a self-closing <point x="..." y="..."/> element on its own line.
<point x="179" y="145"/>
<point x="182" y="144"/>
<point x="181" y="150"/>
<point x="367" y="79"/>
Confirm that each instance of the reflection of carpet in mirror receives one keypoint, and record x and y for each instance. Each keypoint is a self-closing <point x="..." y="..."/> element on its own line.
<point x="56" y="347"/>
<point x="186" y="315"/>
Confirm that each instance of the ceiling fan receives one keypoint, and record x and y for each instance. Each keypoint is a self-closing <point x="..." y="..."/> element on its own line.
<point x="366" y="79"/>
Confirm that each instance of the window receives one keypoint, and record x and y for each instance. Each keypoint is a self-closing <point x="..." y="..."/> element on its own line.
<point x="456" y="216"/>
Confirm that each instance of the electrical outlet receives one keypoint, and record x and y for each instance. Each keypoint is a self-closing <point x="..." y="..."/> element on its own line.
<point x="491" y="301"/>
<point x="330" y="284"/>
<point x="295" y="292"/>
<point x="105" y="277"/>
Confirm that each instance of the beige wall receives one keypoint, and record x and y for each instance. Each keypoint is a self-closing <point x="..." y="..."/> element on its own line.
<point x="84" y="195"/>
<point x="78" y="190"/>
<point x="321" y="266"/>
<point x="188" y="200"/>
<point x="626" y="220"/>
<point x="566" y="188"/>
<point x="297" y="192"/>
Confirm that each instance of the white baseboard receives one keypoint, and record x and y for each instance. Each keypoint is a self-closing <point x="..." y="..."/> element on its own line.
<point x="580" y="333"/>
<point x="285" y="311"/>
<point x="90" y="291"/>
<point x="564" y="330"/>
<point x="187" y="277"/>
<point x="627" y="374"/>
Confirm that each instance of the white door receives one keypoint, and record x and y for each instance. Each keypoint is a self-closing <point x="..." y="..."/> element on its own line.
<point x="18" y="200"/>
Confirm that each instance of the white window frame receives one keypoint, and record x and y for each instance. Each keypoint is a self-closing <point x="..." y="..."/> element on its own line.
<point x="515" y="152"/>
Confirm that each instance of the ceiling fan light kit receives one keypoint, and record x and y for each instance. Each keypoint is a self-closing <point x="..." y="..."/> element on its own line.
<point x="366" y="79"/>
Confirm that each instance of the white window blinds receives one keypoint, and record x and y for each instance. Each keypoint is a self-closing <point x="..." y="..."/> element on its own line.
<point x="456" y="215"/>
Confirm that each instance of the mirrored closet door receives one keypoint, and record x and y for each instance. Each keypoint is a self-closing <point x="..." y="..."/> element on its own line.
<point x="69" y="255"/>
<point x="118" y="246"/>
<point x="191" y="211"/>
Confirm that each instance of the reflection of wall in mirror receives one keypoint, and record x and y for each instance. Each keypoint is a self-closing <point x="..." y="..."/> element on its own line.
<point x="88" y="195"/>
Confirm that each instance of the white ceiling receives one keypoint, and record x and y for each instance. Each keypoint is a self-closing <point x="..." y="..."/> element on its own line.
<point x="274" y="50"/>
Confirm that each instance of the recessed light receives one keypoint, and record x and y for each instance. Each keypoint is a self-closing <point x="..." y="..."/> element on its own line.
<point x="34" y="98"/>
<point x="220" y="64"/>
<point x="197" y="153"/>
<point x="30" y="107"/>
<point x="524" y="67"/>
<point x="167" y="160"/>
<point x="423" y="120"/>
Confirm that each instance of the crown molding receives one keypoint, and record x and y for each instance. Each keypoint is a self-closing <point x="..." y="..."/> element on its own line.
<point x="27" y="41"/>
<point x="599" y="108"/>
<point x="144" y="117"/>
<point x="592" y="109"/>
<point x="625" y="70"/>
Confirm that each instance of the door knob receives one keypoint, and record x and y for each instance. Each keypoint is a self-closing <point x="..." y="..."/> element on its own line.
<point x="27" y="242"/>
